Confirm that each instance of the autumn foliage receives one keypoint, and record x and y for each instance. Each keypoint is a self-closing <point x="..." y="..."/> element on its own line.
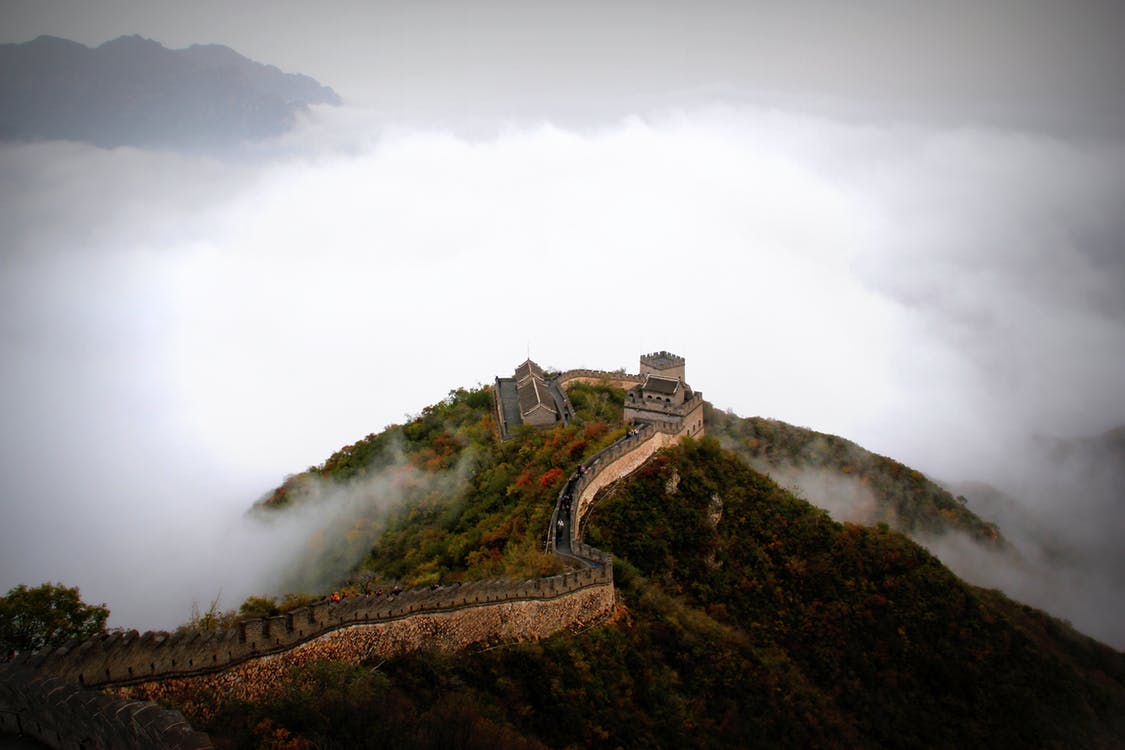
<point x="748" y="617"/>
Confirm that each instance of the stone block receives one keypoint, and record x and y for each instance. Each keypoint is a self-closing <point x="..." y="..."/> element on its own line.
<point x="254" y="633"/>
<point x="319" y="614"/>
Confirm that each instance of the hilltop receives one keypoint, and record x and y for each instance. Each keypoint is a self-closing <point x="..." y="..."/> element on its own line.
<point x="454" y="440"/>
<point x="745" y="615"/>
<point x="133" y="91"/>
<point x="546" y="573"/>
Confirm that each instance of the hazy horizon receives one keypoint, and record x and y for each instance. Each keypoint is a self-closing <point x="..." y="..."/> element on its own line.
<point x="899" y="226"/>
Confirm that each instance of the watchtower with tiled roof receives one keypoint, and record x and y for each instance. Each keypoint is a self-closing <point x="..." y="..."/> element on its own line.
<point x="537" y="403"/>
<point x="528" y="397"/>
<point x="664" y="396"/>
<point x="528" y="370"/>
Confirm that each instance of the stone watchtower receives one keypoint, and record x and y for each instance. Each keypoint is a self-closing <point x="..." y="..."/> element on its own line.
<point x="664" y="365"/>
<point x="530" y="398"/>
<point x="664" y="397"/>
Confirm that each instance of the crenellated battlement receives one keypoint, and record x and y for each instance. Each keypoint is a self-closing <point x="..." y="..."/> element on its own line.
<point x="619" y="379"/>
<point x="661" y="360"/>
<point x="61" y="714"/>
<point x="131" y="658"/>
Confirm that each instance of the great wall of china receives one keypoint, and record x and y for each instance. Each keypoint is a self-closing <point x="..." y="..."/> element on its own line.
<point x="56" y="696"/>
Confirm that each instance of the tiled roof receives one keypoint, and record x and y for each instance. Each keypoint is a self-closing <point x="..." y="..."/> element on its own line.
<point x="532" y="393"/>
<point x="528" y="368"/>
<point x="657" y="384"/>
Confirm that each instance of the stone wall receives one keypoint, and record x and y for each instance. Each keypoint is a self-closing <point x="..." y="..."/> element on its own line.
<point x="62" y="714"/>
<point x="616" y="379"/>
<point x="619" y="460"/>
<point x="246" y="662"/>
<point x="672" y="410"/>
<point x="130" y="658"/>
<point x="664" y="364"/>
<point x="693" y="418"/>
<point x="513" y="621"/>
<point x="607" y="466"/>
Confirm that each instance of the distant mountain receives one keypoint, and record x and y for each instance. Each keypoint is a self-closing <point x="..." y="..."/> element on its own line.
<point x="135" y="92"/>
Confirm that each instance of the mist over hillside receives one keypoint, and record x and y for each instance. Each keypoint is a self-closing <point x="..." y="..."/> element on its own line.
<point x="187" y="332"/>
<point x="740" y="614"/>
<point x="132" y="91"/>
<point x="898" y="225"/>
<point x="1053" y="542"/>
<point x="1065" y="517"/>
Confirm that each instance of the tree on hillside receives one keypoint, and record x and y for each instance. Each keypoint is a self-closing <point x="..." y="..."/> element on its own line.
<point x="47" y="615"/>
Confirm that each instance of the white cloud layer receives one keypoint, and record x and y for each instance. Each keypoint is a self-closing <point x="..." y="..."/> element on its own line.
<point x="179" y="334"/>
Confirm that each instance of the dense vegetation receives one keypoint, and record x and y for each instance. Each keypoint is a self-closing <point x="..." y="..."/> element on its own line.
<point x="906" y="653"/>
<point x="749" y="618"/>
<point x="906" y="499"/>
<point x="440" y="499"/>
<point x="45" y="616"/>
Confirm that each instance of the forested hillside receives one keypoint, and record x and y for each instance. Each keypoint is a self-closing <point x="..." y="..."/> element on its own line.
<point x="747" y="617"/>
<point x="466" y="506"/>
<point x="853" y="483"/>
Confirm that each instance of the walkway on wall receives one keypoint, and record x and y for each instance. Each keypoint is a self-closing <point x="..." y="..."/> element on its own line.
<point x="609" y="465"/>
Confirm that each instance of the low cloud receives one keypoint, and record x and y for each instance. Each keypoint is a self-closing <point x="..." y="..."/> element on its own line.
<point x="846" y="498"/>
<point x="1089" y="595"/>
<point x="1062" y="533"/>
<point x="1060" y="503"/>
<point x="178" y="334"/>
<point x="331" y="525"/>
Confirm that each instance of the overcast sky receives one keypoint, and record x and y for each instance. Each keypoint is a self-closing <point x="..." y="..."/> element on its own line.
<point x="903" y="227"/>
<point x="1013" y="62"/>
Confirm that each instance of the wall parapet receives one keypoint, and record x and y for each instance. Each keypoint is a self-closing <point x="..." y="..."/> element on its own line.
<point x="131" y="658"/>
<point x="62" y="714"/>
<point x="695" y="402"/>
<point x="591" y="477"/>
<point x="597" y="375"/>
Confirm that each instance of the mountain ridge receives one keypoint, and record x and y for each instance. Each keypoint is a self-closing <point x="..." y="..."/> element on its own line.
<point x="744" y="615"/>
<point x="132" y="91"/>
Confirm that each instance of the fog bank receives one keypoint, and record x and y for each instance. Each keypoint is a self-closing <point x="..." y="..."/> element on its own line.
<point x="178" y="334"/>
